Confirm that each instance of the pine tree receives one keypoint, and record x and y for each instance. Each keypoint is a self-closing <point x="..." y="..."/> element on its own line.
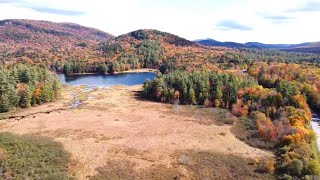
<point x="25" y="98"/>
<point x="67" y="68"/>
<point x="4" y="103"/>
<point x="101" y="69"/>
<point x="192" y="96"/>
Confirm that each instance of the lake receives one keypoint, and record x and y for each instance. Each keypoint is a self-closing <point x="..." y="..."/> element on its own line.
<point x="107" y="80"/>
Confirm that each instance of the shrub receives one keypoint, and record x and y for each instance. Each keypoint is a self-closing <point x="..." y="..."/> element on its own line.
<point x="239" y="109"/>
<point x="295" y="167"/>
<point x="82" y="44"/>
<point x="269" y="165"/>
<point x="312" y="168"/>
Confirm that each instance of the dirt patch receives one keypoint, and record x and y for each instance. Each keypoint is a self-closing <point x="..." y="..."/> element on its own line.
<point x="115" y="125"/>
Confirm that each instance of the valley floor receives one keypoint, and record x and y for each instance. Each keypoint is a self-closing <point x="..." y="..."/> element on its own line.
<point x="114" y="133"/>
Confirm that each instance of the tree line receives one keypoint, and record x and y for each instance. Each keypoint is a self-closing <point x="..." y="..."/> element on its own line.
<point x="24" y="85"/>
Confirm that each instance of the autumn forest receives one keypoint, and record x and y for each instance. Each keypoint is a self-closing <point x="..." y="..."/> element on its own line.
<point x="271" y="93"/>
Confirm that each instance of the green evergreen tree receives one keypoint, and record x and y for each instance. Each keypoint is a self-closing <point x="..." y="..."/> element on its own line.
<point x="67" y="68"/>
<point x="192" y="96"/>
<point x="4" y="103"/>
<point x="101" y="69"/>
<point x="25" y="98"/>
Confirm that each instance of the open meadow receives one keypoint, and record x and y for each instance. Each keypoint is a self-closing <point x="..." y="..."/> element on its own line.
<point x="114" y="134"/>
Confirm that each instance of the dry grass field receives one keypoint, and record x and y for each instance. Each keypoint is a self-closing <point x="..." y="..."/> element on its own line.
<point x="115" y="135"/>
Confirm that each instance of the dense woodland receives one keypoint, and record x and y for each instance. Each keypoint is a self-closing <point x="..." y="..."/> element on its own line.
<point x="24" y="85"/>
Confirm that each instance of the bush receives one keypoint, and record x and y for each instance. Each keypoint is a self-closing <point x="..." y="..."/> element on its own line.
<point x="295" y="167"/>
<point x="269" y="165"/>
<point x="82" y="44"/>
<point x="312" y="168"/>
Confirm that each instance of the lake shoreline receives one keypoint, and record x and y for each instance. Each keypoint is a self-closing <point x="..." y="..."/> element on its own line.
<point x="143" y="70"/>
<point x="127" y="78"/>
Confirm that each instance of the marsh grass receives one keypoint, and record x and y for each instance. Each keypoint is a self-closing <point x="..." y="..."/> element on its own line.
<point x="203" y="115"/>
<point x="187" y="165"/>
<point x="246" y="131"/>
<point x="27" y="157"/>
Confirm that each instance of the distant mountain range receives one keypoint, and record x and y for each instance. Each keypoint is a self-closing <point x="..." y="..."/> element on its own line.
<point x="308" y="47"/>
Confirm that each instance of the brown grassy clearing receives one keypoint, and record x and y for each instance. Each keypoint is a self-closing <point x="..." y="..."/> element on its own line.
<point x="115" y="132"/>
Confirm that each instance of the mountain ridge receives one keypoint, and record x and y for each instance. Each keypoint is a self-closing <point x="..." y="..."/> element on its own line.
<point x="313" y="47"/>
<point x="22" y="39"/>
<point x="63" y="28"/>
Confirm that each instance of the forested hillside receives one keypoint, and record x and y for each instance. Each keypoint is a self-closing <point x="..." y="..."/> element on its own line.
<point x="47" y="42"/>
<point x="155" y="49"/>
<point x="167" y="52"/>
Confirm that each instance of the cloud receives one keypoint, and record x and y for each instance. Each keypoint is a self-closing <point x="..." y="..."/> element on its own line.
<point x="56" y="11"/>
<point x="9" y="1"/>
<point x="232" y="25"/>
<point x="307" y="7"/>
<point x="41" y="8"/>
<point x="277" y="19"/>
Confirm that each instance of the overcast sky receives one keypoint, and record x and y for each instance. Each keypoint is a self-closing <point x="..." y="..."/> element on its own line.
<point x="267" y="21"/>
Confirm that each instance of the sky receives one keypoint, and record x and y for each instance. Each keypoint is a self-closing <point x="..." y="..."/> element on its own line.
<point x="271" y="21"/>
